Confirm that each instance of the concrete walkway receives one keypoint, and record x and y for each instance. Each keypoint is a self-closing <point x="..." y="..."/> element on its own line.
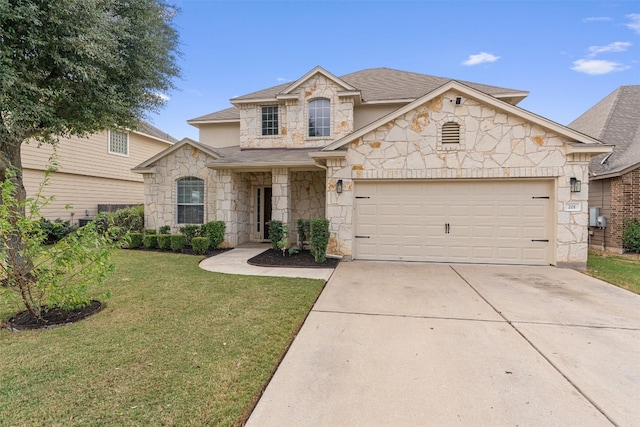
<point x="413" y="344"/>
<point x="235" y="262"/>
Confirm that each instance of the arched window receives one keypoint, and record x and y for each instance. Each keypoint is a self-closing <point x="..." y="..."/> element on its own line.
<point x="451" y="133"/>
<point x="319" y="117"/>
<point x="190" y="205"/>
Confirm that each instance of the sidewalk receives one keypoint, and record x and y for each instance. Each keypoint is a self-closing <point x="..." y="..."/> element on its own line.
<point x="235" y="262"/>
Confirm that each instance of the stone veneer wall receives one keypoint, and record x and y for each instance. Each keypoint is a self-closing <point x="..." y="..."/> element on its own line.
<point x="307" y="197"/>
<point x="493" y="145"/>
<point x="160" y="187"/>
<point x="293" y="117"/>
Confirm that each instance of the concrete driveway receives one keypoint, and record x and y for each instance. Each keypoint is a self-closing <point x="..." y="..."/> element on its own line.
<point x="412" y="344"/>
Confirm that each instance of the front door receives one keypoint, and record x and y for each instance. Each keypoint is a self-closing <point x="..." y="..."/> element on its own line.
<point x="266" y="212"/>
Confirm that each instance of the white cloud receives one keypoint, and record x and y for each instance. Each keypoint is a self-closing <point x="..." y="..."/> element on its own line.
<point x="635" y="22"/>
<point x="611" y="47"/>
<point x="282" y="79"/>
<point x="596" y="67"/>
<point x="162" y="96"/>
<point x="480" y="58"/>
<point x="596" y="19"/>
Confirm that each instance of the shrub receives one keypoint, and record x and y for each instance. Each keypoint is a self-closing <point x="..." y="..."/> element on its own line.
<point x="631" y="236"/>
<point x="56" y="230"/>
<point x="178" y="242"/>
<point x="128" y="219"/>
<point x="214" y="231"/>
<point x="165" y="229"/>
<point x="304" y="231"/>
<point x="200" y="245"/>
<point x="135" y="240"/>
<point x="150" y="231"/>
<point x="189" y="232"/>
<point x="284" y="242"/>
<point x="319" y="239"/>
<point x="164" y="241"/>
<point x="276" y="233"/>
<point x="150" y="241"/>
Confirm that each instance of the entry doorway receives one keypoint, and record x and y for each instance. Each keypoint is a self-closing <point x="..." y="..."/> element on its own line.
<point x="263" y="211"/>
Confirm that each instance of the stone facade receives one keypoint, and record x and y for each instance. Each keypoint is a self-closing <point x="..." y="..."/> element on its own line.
<point x="492" y="144"/>
<point x="160" y="186"/>
<point x="293" y="118"/>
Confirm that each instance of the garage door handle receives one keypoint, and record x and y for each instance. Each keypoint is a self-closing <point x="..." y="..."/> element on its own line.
<point x="363" y="197"/>
<point x="540" y="197"/>
<point x="363" y="237"/>
<point x="447" y="228"/>
<point x="540" y="240"/>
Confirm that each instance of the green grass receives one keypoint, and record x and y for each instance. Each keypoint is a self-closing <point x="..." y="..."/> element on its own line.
<point x="619" y="270"/>
<point x="175" y="345"/>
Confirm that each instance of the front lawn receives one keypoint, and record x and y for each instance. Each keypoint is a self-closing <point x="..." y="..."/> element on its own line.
<point x="619" y="270"/>
<point x="175" y="346"/>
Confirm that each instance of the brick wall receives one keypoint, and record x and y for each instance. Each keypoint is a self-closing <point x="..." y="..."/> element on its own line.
<point x="625" y="205"/>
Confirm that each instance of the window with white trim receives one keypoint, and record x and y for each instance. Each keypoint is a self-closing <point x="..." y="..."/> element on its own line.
<point x="118" y="142"/>
<point x="270" y="120"/>
<point x="451" y="133"/>
<point x="319" y="117"/>
<point x="190" y="206"/>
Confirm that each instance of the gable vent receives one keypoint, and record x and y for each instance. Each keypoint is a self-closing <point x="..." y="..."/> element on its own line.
<point x="451" y="133"/>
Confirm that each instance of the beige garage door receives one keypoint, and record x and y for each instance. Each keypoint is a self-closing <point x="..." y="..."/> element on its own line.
<point x="497" y="222"/>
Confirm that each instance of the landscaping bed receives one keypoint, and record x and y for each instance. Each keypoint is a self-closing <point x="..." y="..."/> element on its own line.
<point x="302" y="259"/>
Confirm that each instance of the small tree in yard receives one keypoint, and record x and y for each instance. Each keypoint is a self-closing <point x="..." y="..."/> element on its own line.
<point x="72" y="68"/>
<point x="319" y="239"/>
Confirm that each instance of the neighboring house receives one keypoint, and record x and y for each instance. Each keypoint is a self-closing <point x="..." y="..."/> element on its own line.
<point x="94" y="170"/>
<point x="405" y="166"/>
<point x="614" y="177"/>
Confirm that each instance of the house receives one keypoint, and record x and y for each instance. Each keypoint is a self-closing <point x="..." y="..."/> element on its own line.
<point x="614" y="192"/>
<point x="92" y="171"/>
<point x="405" y="166"/>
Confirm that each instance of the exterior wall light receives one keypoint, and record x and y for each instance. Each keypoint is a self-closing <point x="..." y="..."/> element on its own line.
<point x="339" y="186"/>
<point x="575" y="185"/>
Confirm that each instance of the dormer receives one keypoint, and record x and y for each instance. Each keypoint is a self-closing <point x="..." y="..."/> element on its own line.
<point x="310" y="112"/>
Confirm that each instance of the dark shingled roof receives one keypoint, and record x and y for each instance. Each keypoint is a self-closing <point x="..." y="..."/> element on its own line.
<point x="273" y="156"/>
<point x="375" y="84"/>
<point x="614" y="120"/>
<point x="151" y="130"/>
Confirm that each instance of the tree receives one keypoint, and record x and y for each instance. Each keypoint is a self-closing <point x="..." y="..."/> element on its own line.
<point x="75" y="67"/>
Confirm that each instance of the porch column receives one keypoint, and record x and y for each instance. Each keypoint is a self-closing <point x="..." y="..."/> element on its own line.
<point x="281" y="195"/>
<point x="339" y="207"/>
<point x="226" y="205"/>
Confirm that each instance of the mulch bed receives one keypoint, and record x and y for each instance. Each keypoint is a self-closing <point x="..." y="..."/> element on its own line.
<point x="302" y="259"/>
<point x="54" y="317"/>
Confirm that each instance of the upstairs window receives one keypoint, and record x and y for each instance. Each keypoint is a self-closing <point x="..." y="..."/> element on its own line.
<point x="190" y="201"/>
<point x="451" y="133"/>
<point x="118" y="143"/>
<point x="270" y="120"/>
<point x="319" y="117"/>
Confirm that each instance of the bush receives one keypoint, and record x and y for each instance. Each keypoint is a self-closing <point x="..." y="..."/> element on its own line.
<point x="150" y="231"/>
<point x="214" y="231"/>
<point x="165" y="229"/>
<point x="319" y="239"/>
<point x="631" y="236"/>
<point x="128" y="219"/>
<point x="200" y="245"/>
<point x="304" y="231"/>
<point x="164" y="241"/>
<point x="55" y="231"/>
<point x="135" y="240"/>
<point x="150" y="241"/>
<point x="189" y="232"/>
<point x="178" y="242"/>
<point x="276" y="233"/>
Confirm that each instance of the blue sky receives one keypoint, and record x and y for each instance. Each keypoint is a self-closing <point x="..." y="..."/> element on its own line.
<point x="567" y="54"/>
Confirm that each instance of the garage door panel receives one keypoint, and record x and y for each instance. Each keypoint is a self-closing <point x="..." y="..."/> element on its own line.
<point x="489" y="221"/>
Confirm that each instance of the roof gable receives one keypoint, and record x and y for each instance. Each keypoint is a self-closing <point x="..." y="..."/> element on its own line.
<point x="147" y="164"/>
<point x="614" y="120"/>
<point x="481" y="97"/>
<point x="325" y="73"/>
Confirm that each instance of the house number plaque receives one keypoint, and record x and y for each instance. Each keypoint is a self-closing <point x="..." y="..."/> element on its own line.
<point x="572" y="207"/>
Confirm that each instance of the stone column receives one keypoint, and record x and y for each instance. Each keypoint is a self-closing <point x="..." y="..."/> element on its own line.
<point x="339" y="208"/>
<point x="281" y="195"/>
<point x="226" y="205"/>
